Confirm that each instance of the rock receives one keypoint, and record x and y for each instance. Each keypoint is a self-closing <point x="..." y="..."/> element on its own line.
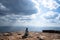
<point x="2" y="39"/>
<point x="40" y="38"/>
<point x="7" y="34"/>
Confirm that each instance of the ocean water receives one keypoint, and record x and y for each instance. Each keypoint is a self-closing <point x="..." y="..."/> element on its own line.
<point x="36" y="29"/>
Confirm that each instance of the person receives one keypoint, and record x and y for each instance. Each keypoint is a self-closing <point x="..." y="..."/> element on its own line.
<point x="26" y="33"/>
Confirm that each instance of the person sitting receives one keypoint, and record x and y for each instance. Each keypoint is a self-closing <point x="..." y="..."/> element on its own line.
<point x="26" y="33"/>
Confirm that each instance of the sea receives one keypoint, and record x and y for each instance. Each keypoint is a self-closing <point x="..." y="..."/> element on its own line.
<point x="30" y="28"/>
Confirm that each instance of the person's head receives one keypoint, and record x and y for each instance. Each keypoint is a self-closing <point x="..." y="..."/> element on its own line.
<point x="26" y="28"/>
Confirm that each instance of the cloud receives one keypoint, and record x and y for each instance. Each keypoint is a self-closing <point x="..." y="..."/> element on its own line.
<point x="3" y="8"/>
<point x="17" y="11"/>
<point x="52" y="17"/>
<point x="50" y="4"/>
<point x="20" y="7"/>
<point x="49" y="18"/>
<point x="29" y="13"/>
<point x="9" y="20"/>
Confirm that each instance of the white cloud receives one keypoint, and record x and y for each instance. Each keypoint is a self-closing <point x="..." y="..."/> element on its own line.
<point x="14" y="20"/>
<point x="50" y="15"/>
<point x="52" y="18"/>
<point x="37" y="6"/>
<point x="41" y="20"/>
<point x="49" y="18"/>
<point x="50" y="4"/>
<point x="57" y="20"/>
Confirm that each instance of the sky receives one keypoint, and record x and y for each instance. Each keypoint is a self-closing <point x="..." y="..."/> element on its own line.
<point x="36" y="13"/>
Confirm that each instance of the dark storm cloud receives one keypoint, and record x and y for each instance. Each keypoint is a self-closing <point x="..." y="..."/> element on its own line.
<point x="24" y="7"/>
